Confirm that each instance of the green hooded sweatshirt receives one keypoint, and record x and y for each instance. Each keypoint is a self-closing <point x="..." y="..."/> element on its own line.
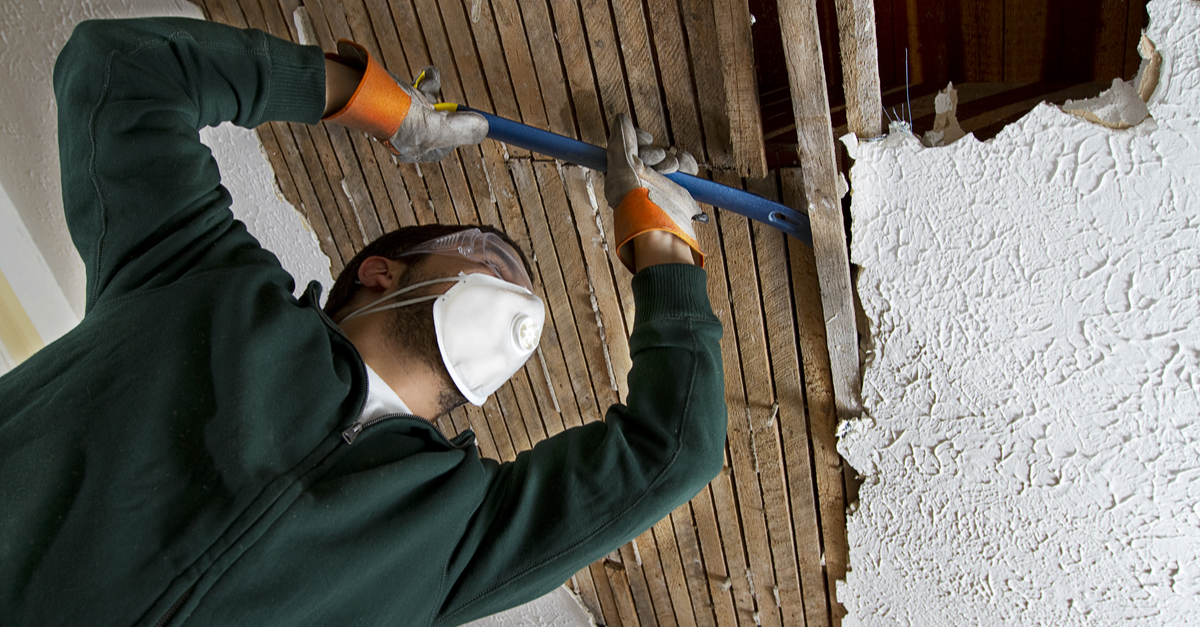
<point x="178" y="457"/>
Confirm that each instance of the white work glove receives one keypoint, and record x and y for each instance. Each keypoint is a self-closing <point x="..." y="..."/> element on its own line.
<point x="401" y="115"/>
<point x="644" y="200"/>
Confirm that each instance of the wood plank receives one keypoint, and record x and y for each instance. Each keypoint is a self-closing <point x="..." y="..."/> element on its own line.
<point x="584" y="587"/>
<point x="611" y="614"/>
<point x="737" y="581"/>
<point x="583" y="188"/>
<point x="674" y="62"/>
<point x="495" y="68"/>
<point x="750" y="281"/>
<point x="618" y="580"/>
<point x="574" y="318"/>
<point x="715" y="573"/>
<point x="573" y="46"/>
<point x="927" y="27"/>
<point x="691" y="559"/>
<point x="655" y="577"/>
<point x="745" y="365"/>
<point x="700" y="26"/>
<point x="790" y="417"/>
<point x="672" y="568"/>
<point x="817" y="158"/>
<point x="586" y="326"/>
<point x="1024" y="40"/>
<point x="860" y="66"/>
<point x="982" y="28"/>
<point x="521" y="68"/>
<point x="820" y="396"/>
<point x="640" y="71"/>
<point x="543" y="48"/>
<point x="568" y="373"/>
<point x="606" y="58"/>
<point x="736" y="47"/>
<point x="326" y="202"/>
<point x="639" y="588"/>
<point x="309" y="204"/>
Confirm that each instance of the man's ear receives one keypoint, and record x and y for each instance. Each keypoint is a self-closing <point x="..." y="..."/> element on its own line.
<point x="380" y="274"/>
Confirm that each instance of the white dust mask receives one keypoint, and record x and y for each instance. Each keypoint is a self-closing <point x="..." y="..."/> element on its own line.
<point x="486" y="329"/>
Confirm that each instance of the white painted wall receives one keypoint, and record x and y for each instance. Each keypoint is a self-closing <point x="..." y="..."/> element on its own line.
<point x="1032" y="439"/>
<point x="35" y="248"/>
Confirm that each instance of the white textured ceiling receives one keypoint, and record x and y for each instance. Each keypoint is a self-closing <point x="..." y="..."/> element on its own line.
<point x="1032" y="439"/>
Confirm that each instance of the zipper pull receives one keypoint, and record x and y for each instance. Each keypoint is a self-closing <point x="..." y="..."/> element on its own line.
<point x="350" y="434"/>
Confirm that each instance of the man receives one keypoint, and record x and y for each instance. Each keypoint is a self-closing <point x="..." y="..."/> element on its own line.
<point x="205" y="449"/>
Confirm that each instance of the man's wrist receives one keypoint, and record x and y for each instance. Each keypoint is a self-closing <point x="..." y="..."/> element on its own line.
<point x="658" y="247"/>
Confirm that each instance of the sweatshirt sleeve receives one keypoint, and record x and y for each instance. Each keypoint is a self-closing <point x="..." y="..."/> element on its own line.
<point x="142" y="196"/>
<point x="582" y="493"/>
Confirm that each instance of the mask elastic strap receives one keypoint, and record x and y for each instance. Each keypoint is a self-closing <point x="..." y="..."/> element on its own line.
<point x="374" y="307"/>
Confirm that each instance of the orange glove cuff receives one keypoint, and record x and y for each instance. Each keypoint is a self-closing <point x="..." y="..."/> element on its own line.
<point x="378" y="105"/>
<point x="636" y="215"/>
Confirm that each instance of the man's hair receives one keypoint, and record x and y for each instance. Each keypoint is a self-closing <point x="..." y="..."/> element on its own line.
<point x="391" y="245"/>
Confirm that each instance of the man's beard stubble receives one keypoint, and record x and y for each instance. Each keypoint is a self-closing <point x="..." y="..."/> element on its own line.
<point x="411" y="330"/>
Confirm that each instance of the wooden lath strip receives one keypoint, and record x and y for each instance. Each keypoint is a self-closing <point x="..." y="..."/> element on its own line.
<point x="860" y="64"/>
<point x="575" y="281"/>
<point x="585" y="187"/>
<point x="573" y="46"/>
<point x="747" y="402"/>
<point x="790" y="418"/>
<point x="701" y="28"/>
<point x="819" y="391"/>
<point x="736" y="48"/>
<point x="641" y="74"/>
<point x="806" y="75"/>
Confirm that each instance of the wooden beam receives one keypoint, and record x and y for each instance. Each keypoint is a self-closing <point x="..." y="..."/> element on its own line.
<point x="736" y="49"/>
<point x="860" y="66"/>
<point x="802" y="49"/>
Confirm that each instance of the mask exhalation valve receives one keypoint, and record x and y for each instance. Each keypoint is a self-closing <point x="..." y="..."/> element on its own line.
<point x="526" y="333"/>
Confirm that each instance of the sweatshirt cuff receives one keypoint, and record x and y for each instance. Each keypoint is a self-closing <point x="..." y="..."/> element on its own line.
<point x="673" y="290"/>
<point x="297" y="83"/>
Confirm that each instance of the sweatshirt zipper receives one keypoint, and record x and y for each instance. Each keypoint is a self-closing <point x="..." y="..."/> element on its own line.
<point x="174" y="609"/>
<point x="351" y="433"/>
<point x="362" y="369"/>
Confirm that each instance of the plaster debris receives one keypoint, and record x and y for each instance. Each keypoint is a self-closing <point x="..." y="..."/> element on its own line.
<point x="1120" y="107"/>
<point x="946" y="129"/>
<point x="1032" y="414"/>
<point x="1148" y="73"/>
<point x="304" y="27"/>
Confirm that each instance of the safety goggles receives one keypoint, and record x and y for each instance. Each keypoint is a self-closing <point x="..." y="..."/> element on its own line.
<point x="483" y="248"/>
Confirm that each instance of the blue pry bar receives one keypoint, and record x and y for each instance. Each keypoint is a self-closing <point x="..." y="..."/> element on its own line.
<point x="768" y="212"/>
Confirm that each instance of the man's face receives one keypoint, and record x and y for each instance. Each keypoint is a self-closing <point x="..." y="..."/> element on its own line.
<point x="411" y="329"/>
